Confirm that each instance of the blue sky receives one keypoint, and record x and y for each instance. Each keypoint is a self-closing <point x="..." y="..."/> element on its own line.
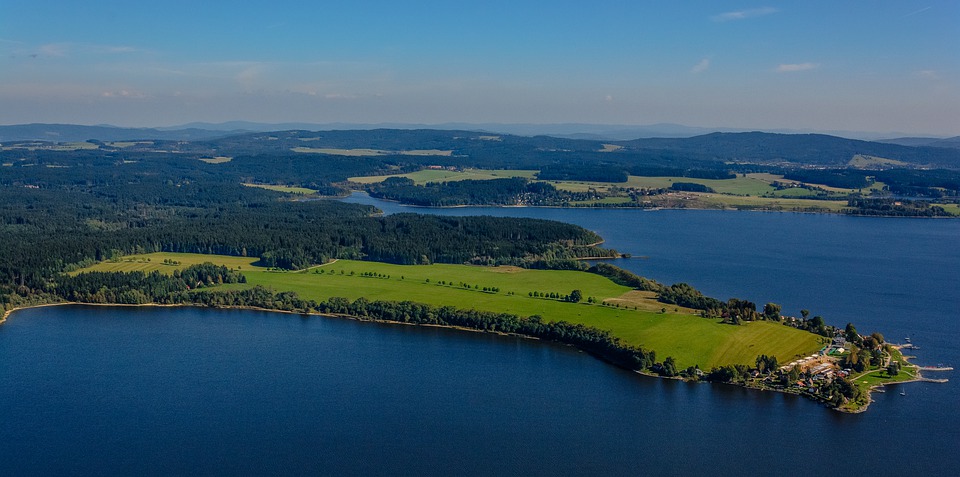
<point x="824" y="65"/>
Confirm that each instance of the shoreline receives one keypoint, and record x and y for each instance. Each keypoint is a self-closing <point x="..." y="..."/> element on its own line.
<point x="269" y="310"/>
<point x="651" y="209"/>
<point x="869" y="391"/>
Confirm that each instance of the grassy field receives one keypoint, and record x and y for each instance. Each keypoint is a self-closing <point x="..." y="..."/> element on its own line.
<point x="216" y="160"/>
<point x="605" y="200"/>
<point x="880" y="376"/>
<point x="750" y="185"/>
<point x="444" y="175"/>
<point x="279" y="188"/>
<point x="740" y="185"/>
<point x="369" y="152"/>
<point x="73" y="146"/>
<point x="750" y="191"/>
<point x="338" y="152"/>
<point x="861" y="161"/>
<point x="677" y="332"/>
<point x="751" y="202"/>
<point x="123" y="144"/>
<point x="951" y="208"/>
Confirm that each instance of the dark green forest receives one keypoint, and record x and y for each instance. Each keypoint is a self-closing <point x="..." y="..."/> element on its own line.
<point x="62" y="208"/>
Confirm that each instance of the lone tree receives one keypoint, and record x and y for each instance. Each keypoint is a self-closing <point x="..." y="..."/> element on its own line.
<point x="893" y="369"/>
<point x="850" y="334"/>
<point x="576" y="296"/>
<point x="767" y="364"/>
<point x="771" y="311"/>
<point x="669" y="367"/>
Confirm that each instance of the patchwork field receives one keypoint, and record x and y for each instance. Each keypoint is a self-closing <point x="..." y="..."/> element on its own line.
<point x="952" y="208"/>
<point x="444" y="175"/>
<point x="750" y="191"/>
<point x="758" y="184"/>
<point x="861" y="161"/>
<point x="216" y="160"/>
<point x="370" y="152"/>
<point x="767" y="203"/>
<point x="639" y="319"/>
<point x="280" y="188"/>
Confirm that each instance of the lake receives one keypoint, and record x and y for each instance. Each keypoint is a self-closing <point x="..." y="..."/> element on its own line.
<point x="105" y="390"/>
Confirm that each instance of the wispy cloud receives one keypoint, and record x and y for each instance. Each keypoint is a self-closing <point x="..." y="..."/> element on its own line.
<point x="67" y="49"/>
<point x="793" y="67"/>
<point x="54" y="49"/>
<point x="124" y="93"/>
<point x="928" y="74"/>
<point x="339" y="96"/>
<point x="744" y="14"/>
<point x="119" y="49"/>
<point x="700" y="67"/>
<point x="917" y="12"/>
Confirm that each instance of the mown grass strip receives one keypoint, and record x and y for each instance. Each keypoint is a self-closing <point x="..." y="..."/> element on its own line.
<point x="639" y="320"/>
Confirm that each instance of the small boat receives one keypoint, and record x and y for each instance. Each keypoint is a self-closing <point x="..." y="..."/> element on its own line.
<point x="903" y="393"/>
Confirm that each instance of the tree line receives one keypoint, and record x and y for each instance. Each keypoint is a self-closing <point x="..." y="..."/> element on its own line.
<point x="47" y="231"/>
<point x="189" y="286"/>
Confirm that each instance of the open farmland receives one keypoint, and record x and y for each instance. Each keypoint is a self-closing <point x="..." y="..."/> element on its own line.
<point x="442" y="175"/>
<point x="370" y="152"/>
<point x="280" y="188"/>
<point x="638" y="320"/>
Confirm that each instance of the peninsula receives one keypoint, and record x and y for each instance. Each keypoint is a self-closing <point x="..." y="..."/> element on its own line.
<point x="608" y="312"/>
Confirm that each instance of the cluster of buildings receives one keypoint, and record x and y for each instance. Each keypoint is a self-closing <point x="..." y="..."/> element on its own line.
<point x="821" y="366"/>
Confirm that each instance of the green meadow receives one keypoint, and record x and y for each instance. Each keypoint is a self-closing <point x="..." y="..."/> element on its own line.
<point x="280" y="188"/>
<point x="443" y="175"/>
<point x="750" y="191"/>
<point x="639" y="319"/>
<point x="369" y="152"/>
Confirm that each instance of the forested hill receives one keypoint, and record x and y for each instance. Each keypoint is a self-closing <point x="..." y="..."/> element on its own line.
<point x="73" y="132"/>
<point x="47" y="231"/>
<point x="489" y="150"/>
<point x="499" y="150"/>
<point x="808" y="149"/>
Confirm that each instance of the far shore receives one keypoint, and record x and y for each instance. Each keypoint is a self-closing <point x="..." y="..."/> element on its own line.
<point x="655" y="208"/>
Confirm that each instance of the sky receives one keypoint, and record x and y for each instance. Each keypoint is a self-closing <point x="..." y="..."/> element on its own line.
<point x="878" y="66"/>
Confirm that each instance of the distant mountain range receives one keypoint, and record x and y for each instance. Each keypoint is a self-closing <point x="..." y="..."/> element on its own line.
<point x="810" y="149"/>
<point x="74" y="133"/>
<point x="700" y="151"/>
<point x="596" y="132"/>
<point x="950" y="142"/>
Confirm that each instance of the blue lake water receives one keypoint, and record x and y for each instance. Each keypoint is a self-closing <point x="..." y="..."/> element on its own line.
<point x="102" y="391"/>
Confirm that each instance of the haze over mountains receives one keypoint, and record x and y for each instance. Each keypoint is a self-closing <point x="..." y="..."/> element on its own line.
<point x="599" y="132"/>
<point x="713" y="151"/>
